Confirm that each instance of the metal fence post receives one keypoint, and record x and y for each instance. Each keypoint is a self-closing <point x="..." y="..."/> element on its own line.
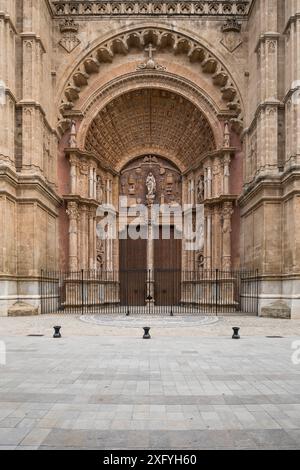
<point x="217" y="291"/>
<point x="82" y="292"/>
<point x="257" y="297"/>
<point x="41" y="291"/>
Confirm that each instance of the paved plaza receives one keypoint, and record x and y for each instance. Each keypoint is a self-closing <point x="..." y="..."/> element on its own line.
<point x="190" y="387"/>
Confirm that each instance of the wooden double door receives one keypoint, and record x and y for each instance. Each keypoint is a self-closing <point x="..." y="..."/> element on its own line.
<point x="166" y="275"/>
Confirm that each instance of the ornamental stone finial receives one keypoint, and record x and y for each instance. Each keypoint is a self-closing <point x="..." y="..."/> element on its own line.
<point x="226" y="135"/>
<point x="73" y="136"/>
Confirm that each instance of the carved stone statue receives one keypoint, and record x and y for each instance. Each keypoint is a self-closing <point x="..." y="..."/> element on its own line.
<point x="73" y="136"/>
<point x="151" y="186"/>
<point x="226" y="135"/>
<point x="99" y="189"/>
<point x="200" y="189"/>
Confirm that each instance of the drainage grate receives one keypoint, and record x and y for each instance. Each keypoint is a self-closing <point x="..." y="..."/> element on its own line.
<point x="274" y="337"/>
<point x="36" y="336"/>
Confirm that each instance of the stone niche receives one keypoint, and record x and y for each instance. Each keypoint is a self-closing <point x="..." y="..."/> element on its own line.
<point x="278" y="309"/>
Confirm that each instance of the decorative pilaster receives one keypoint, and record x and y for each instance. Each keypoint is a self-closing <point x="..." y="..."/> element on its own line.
<point x="226" y="174"/>
<point x="227" y="212"/>
<point x="92" y="238"/>
<point x="208" y="235"/>
<point x="72" y="212"/>
<point x="84" y="236"/>
<point x="73" y="175"/>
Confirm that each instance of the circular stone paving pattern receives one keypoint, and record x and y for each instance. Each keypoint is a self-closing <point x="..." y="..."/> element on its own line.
<point x="148" y="320"/>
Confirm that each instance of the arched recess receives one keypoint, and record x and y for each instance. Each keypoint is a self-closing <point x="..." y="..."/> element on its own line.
<point x="164" y="40"/>
<point x="149" y="120"/>
<point x="94" y="175"/>
<point x="180" y="90"/>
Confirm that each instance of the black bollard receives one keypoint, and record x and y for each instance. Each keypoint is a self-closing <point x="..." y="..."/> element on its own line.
<point x="57" y="332"/>
<point x="236" y="333"/>
<point x="146" y="332"/>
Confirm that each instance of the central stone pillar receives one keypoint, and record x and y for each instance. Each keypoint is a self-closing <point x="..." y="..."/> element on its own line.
<point x="150" y="254"/>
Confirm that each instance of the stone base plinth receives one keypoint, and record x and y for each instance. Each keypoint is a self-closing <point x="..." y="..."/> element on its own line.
<point x="278" y="309"/>
<point x="209" y="295"/>
<point x="22" y="309"/>
<point x="91" y="293"/>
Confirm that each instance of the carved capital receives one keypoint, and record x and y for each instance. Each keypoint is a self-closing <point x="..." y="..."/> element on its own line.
<point x="72" y="210"/>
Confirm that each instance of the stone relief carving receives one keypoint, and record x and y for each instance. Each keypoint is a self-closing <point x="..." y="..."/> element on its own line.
<point x="151" y="185"/>
<point x="231" y="34"/>
<point x="69" y="29"/>
<point x="151" y="178"/>
<point x="110" y="7"/>
<point x="200" y="189"/>
<point x="73" y="140"/>
<point x="195" y="51"/>
<point x="100" y="254"/>
<point x="226" y="135"/>
<point x="200" y="261"/>
<point x="72" y="210"/>
<point x="226" y="217"/>
<point x="99" y="190"/>
<point x="150" y="64"/>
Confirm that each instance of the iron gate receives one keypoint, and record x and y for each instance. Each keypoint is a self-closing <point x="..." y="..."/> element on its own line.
<point x="162" y="292"/>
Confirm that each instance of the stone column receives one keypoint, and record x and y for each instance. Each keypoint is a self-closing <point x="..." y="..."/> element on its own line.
<point x="95" y="184"/>
<point x="216" y="237"/>
<point x="217" y="178"/>
<point x="209" y="181"/>
<point x="84" y="237"/>
<point x="73" y="174"/>
<point x="91" y="182"/>
<point x="72" y="212"/>
<point x="92" y="236"/>
<point x="227" y="212"/>
<point x="208" y="254"/>
<point x="150" y="254"/>
<point x="226" y="174"/>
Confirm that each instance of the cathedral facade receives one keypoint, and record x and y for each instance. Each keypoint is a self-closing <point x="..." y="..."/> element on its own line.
<point x="185" y="102"/>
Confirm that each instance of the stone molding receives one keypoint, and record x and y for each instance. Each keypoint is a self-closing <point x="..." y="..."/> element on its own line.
<point x="213" y="8"/>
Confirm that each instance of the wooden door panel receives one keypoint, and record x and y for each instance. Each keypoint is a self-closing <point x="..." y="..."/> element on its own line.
<point x="167" y="270"/>
<point x="133" y="271"/>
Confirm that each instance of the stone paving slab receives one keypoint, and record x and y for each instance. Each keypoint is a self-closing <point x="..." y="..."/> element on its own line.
<point x="161" y="326"/>
<point x="177" y="392"/>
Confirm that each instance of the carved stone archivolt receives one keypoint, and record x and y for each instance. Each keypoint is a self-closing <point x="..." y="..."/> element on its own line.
<point x="170" y="84"/>
<point x="159" y="39"/>
<point x="150" y="119"/>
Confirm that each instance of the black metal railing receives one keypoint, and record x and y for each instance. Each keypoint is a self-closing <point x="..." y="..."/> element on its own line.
<point x="161" y="291"/>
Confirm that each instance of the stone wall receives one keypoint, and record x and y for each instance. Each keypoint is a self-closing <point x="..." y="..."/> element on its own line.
<point x="64" y="61"/>
<point x="28" y="151"/>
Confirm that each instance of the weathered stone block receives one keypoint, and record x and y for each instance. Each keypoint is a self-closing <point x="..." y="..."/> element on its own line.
<point x="22" y="309"/>
<point x="278" y="309"/>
